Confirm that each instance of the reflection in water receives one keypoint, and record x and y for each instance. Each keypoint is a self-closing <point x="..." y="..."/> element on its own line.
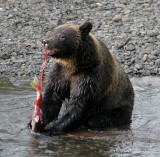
<point x="141" y="138"/>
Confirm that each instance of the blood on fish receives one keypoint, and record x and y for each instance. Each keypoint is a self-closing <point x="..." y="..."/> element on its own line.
<point x="36" y="118"/>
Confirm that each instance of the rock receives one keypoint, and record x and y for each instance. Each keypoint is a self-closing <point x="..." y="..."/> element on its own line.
<point x="117" y="18"/>
<point x="119" y="5"/>
<point x="78" y="1"/>
<point x="98" y="4"/>
<point x="127" y="30"/>
<point x="10" y="16"/>
<point x="123" y="36"/>
<point x="133" y="60"/>
<point x="4" y="81"/>
<point x="100" y="151"/>
<point x="154" y="71"/>
<point x="156" y="53"/>
<point x="145" y="57"/>
<point x="158" y="37"/>
<point x="29" y="71"/>
<point x="34" y="1"/>
<point x="19" y="61"/>
<point x="152" y="57"/>
<point x="152" y="33"/>
<point x="138" y="66"/>
<point x="158" y="71"/>
<point x="127" y="11"/>
<point x="4" y="55"/>
<point x="128" y="71"/>
<point x="130" y="47"/>
<point x="157" y="62"/>
<point x="142" y="33"/>
<point x="12" y="1"/>
<point x="50" y="1"/>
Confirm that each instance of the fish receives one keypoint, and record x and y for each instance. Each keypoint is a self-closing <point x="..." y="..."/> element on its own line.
<point x="36" y="118"/>
<point x="37" y="115"/>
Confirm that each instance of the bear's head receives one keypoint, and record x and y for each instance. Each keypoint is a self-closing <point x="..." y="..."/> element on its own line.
<point x="72" y="42"/>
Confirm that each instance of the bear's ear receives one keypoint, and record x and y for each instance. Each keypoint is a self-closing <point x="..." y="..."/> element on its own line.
<point x="85" y="28"/>
<point x="60" y="22"/>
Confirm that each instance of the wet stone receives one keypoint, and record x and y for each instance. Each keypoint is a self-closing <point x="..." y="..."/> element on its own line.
<point x="98" y="4"/>
<point x="154" y="71"/>
<point x="119" y="5"/>
<point x="152" y="57"/>
<point x="157" y="62"/>
<point x="117" y="18"/>
<point x="19" y="61"/>
<point x="128" y="71"/>
<point x="4" y="55"/>
<point x="158" y="37"/>
<point x="156" y="53"/>
<point x="78" y="1"/>
<point x="152" y="33"/>
<point x="130" y="47"/>
<point x="127" y="11"/>
<point x="34" y="1"/>
<point x="139" y="66"/>
<point x="145" y="57"/>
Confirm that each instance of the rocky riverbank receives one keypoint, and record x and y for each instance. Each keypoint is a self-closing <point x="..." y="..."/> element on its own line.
<point x="130" y="28"/>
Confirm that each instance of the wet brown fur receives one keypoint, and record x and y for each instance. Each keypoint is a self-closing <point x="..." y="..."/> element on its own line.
<point x="99" y="91"/>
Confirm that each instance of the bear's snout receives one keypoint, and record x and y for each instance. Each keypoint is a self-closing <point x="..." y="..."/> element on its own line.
<point x="45" y="43"/>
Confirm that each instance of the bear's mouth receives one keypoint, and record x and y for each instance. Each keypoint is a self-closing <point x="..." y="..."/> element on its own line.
<point x="45" y="44"/>
<point x="52" y="52"/>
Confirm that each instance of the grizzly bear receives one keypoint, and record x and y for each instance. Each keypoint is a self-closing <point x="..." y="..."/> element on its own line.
<point x="98" y="90"/>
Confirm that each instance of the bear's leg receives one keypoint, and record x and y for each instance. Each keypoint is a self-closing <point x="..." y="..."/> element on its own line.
<point x="51" y="106"/>
<point x="71" y="120"/>
<point x="111" y="118"/>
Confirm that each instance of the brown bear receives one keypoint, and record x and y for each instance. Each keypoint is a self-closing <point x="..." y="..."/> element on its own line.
<point x="100" y="93"/>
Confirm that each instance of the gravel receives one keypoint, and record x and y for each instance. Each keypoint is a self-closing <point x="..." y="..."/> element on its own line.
<point x="130" y="28"/>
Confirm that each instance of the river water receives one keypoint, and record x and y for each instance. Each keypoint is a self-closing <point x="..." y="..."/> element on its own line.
<point x="141" y="138"/>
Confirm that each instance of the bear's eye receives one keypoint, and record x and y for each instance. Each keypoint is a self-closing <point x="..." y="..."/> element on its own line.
<point x="62" y="37"/>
